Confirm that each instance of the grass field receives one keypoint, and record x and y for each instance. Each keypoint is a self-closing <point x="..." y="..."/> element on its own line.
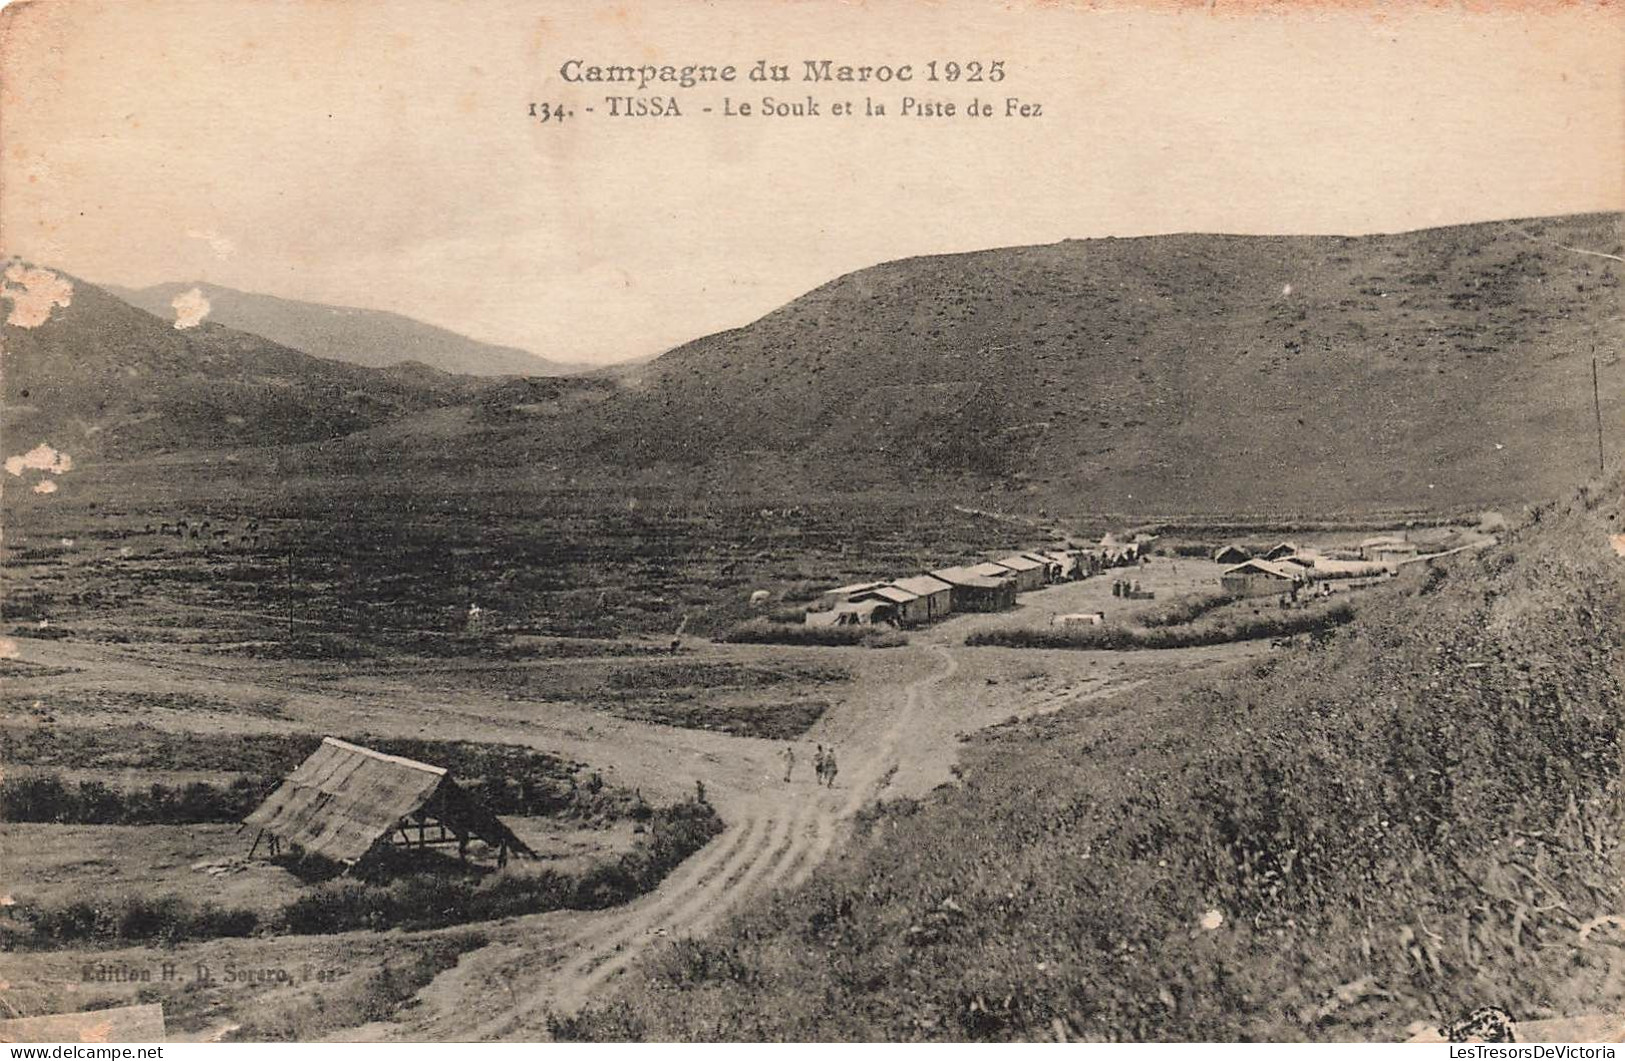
<point x="203" y="683"/>
<point x="355" y="568"/>
<point x="54" y="864"/>
<point x="1421" y="816"/>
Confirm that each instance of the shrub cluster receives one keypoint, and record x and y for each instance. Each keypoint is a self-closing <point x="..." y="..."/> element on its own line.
<point x="720" y="675"/>
<point x="764" y="632"/>
<point x="1216" y="631"/>
<point x="768" y="719"/>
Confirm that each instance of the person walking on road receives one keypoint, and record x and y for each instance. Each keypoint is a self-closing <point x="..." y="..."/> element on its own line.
<point x="829" y="767"/>
<point x="789" y="761"/>
<point x="819" y="765"/>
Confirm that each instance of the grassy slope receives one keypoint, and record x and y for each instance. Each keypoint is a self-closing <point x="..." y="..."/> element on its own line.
<point x="1158" y="375"/>
<point x="1439" y="370"/>
<point x="1412" y="821"/>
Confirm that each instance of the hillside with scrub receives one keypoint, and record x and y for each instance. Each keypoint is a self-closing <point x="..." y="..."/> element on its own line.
<point x="1193" y="373"/>
<point x="92" y="376"/>
<point x="1281" y="377"/>
<point x="1419" y="815"/>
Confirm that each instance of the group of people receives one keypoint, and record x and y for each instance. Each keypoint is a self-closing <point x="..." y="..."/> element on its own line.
<point x="823" y="764"/>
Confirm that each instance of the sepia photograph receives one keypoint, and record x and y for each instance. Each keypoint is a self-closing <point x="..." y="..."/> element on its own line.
<point x="804" y="521"/>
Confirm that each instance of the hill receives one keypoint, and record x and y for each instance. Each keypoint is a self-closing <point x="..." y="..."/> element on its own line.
<point x="1417" y="817"/>
<point x="374" y="338"/>
<point x="1439" y="369"/>
<point x="98" y="376"/>
<point x="1265" y="377"/>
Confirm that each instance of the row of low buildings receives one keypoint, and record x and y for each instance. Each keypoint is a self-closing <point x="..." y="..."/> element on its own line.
<point x="985" y="587"/>
<point x="1382" y="549"/>
<point x="1282" y="569"/>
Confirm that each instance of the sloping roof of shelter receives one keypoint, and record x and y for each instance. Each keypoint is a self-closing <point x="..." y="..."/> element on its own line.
<point x="1269" y="567"/>
<point x="344" y="798"/>
<point x="970" y="576"/>
<point x="893" y="593"/>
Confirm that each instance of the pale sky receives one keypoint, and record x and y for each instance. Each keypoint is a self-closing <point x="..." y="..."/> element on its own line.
<point x="378" y="154"/>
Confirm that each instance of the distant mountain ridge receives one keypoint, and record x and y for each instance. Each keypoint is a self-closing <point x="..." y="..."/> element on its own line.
<point x="1186" y="373"/>
<point x="374" y="338"/>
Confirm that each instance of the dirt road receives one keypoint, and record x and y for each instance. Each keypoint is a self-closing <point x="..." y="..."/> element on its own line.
<point x="897" y="731"/>
<point x="776" y="835"/>
<point x="784" y="833"/>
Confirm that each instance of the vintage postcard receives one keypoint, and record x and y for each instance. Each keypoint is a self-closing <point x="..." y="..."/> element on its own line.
<point x="800" y="520"/>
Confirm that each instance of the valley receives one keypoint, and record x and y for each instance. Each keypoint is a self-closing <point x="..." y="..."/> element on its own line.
<point x="1132" y="801"/>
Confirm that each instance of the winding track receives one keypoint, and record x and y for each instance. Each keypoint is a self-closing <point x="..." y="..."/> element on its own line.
<point x="783" y="837"/>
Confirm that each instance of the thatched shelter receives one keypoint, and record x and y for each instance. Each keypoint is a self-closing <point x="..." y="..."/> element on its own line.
<point x="346" y="800"/>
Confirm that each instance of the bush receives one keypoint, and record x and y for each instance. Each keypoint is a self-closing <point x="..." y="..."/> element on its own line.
<point x="1184" y="609"/>
<point x="763" y="632"/>
<point x="43" y="633"/>
<point x="721" y="675"/>
<point x="429" y="900"/>
<point x="166" y="919"/>
<point x="674" y="833"/>
<point x="1327" y="846"/>
<point x="34" y="798"/>
<point x="770" y="720"/>
<point x="339" y="906"/>
<point x="1212" y="632"/>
